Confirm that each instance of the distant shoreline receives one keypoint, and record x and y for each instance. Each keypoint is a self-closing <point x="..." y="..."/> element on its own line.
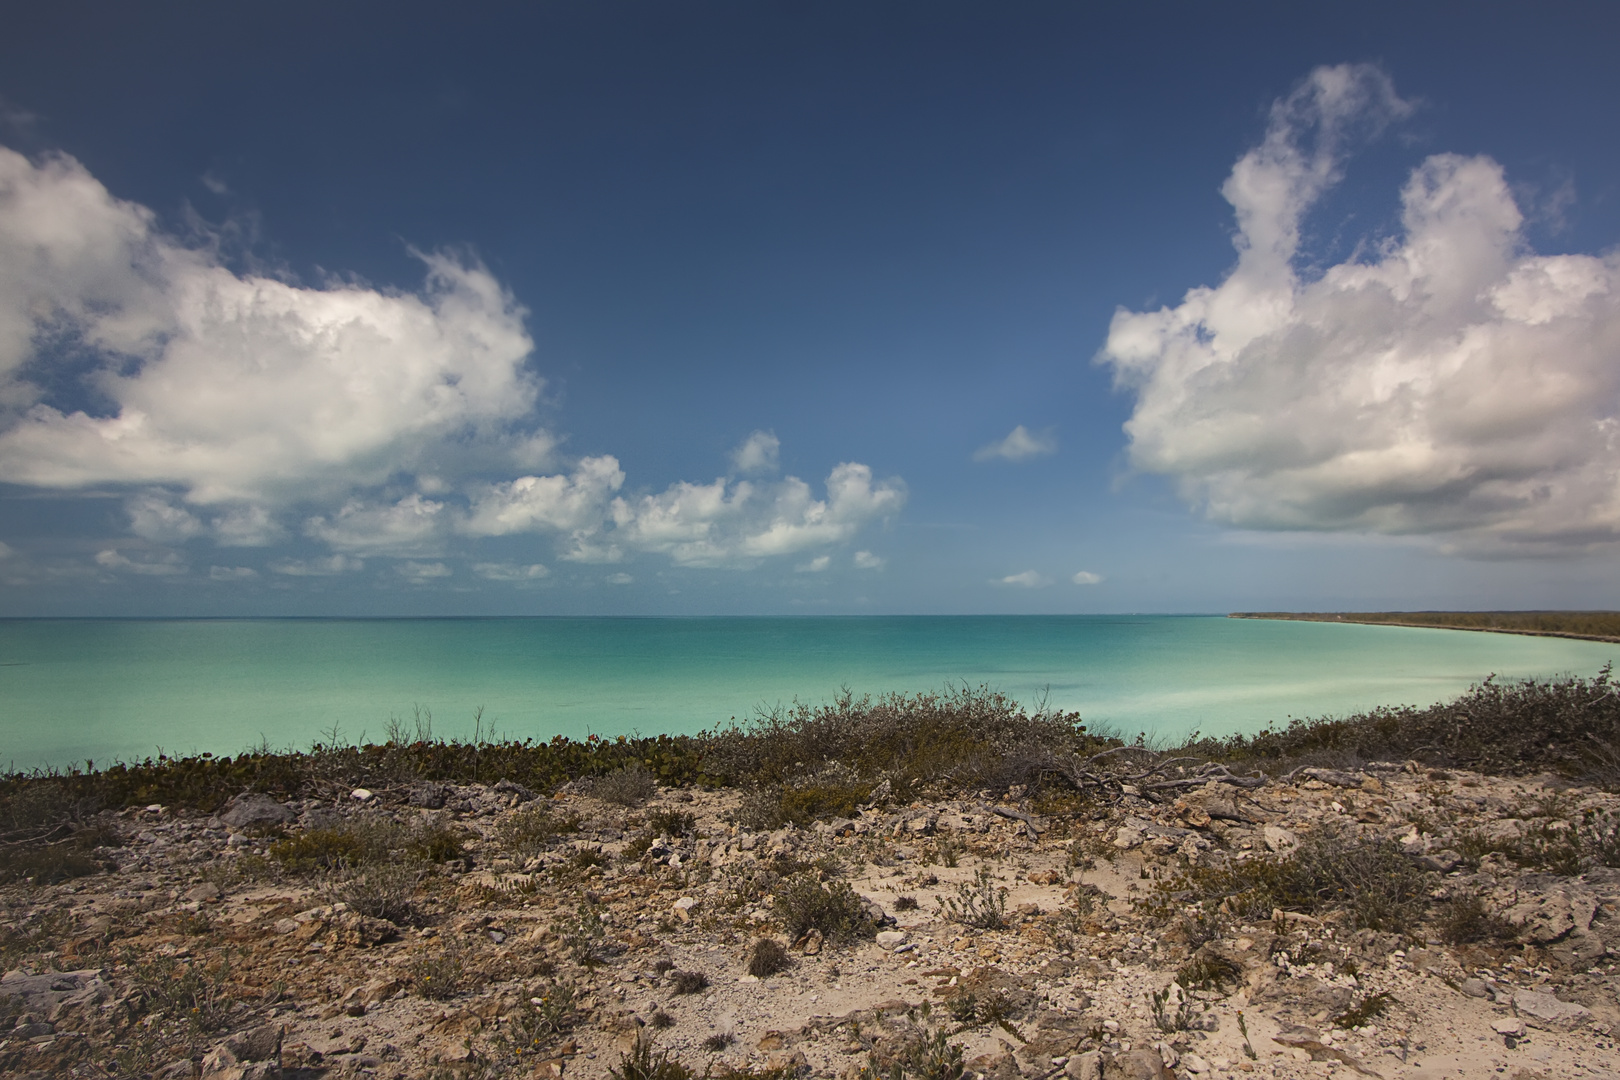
<point x="1578" y="625"/>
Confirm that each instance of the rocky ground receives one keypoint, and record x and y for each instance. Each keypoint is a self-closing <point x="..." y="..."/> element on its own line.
<point x="546" y="936"/>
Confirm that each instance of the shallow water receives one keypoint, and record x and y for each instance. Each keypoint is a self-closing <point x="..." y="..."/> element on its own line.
<point x="78" y="689"/>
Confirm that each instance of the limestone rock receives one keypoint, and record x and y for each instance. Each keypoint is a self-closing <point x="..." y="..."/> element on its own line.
<point x="1548" y="1012"/>
<point x="253" y="808"/>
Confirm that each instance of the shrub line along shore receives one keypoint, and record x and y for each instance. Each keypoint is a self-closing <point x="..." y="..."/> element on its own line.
<point x="942" y="886"/>
<point x="1580" y="625"/>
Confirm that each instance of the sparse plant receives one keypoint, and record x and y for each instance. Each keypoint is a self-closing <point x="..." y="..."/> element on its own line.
<point x="532" y="830"/>
<point x="642" y="1062"/>
<point x="981" y="905"/>
<point x="1170" y="1008"/>
<point x="583" y="935"/>
<point x="547" y="1015"/>
<point x="927" y="1055"/>
<point x="719" y="1041"/>
<point x="905" y="903"/>
<point x="195" y="992"/>
<point x="1465" y="919"/>
<point x="1208" y="971"/>
<point x="661" y="1019"/>
<point x="1364" y="1011"/>
<point x="437" y="976"/>
<point x="689" y="982"/>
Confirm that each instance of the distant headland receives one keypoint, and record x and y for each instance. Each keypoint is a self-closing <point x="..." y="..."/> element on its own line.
<point x="1587" y="625"/>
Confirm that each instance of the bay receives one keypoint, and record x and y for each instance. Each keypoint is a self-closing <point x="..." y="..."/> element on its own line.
<point x="73" y="690"/>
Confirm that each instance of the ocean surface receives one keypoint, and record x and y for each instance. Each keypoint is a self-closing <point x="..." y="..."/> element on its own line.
<point x="73" y="690"/>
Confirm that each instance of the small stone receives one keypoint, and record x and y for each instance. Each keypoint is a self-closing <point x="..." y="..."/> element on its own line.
<point x="683" y="908"/>
<point x="205" y="893"/>
<point x="1508" y="1025"/>
<point x="361" y="794"/>
<point x="1475" y="988"/>
<point x="1441" y="862"/>
<point x="890" y="939"/>
<point x="1194" y="1064"/>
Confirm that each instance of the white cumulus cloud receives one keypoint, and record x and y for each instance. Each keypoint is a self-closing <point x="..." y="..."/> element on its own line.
<point x="758" y="453"/>
<point x="1451" y="382"/>
<point x="226" y="386"/>
<point x="1086" y="577"/>
<point x="153" y="564"/>
<point x="328" y="566"/>
<point x="419" y="573"/>
<point x="866" y="560"/>
<point x="238" y="409"/>
<point x="815" y="565"/>
<point x="1029" y="579"/>
<point x="1019" y="445"/>
<point x="510" y="572"/>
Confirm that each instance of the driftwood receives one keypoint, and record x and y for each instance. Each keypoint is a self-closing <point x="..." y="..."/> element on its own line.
<point x="1143" y="771"/>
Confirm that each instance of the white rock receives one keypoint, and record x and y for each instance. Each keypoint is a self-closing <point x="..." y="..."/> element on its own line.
<point x="1194" y="1064"/>
<point x="1549" y="1011"/>
<point x="1277" y="838"/>
<point x="361" y="794"/>
<point x="1508" y="1025"/>
<point x="891" y="939"/>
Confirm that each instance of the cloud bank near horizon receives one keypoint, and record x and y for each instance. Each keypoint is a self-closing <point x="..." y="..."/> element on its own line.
<point x="246" y="410"/>
<point x="1448" y="383"/>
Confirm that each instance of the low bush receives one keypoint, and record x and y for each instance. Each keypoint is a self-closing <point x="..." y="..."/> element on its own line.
<point x="1465" y="920"/>
<point x="671" y="823"/>
<point x="688" y="982"/>
<point x="1371" y="879"/>
<point x="768" y="958"/>
<point x="538" y="1022"/>
<point x="924" y="1055"/>
<point x="1568" y="725"/>
<point x="382" y="891"/>
<point x="531" y="831"/>
<point x="629" y="786"/>
<point x="804" y="904"/>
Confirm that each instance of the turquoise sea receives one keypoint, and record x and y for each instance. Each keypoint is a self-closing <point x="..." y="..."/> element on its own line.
<point x="105" y="689"/>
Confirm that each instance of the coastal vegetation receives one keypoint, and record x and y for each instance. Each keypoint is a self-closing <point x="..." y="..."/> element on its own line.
<point x="812" y="763"/>
<point x="1594" y="625"/>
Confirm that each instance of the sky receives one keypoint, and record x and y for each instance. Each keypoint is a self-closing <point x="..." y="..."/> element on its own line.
<point x="758" y="308"/>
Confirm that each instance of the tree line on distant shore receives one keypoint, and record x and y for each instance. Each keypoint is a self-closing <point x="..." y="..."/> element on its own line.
<point x="1594" y="625"/>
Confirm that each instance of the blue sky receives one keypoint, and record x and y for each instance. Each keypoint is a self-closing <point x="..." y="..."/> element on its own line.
<point x="847" y="307"/>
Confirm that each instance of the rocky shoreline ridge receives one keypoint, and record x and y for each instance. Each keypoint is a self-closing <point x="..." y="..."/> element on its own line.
<point x="1003" y="937"/>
